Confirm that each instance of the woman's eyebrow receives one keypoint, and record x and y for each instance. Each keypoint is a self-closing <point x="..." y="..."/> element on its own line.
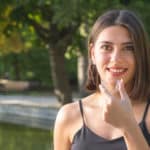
<point x="106" y="42"/>
<point x="127" y="43"/>
<point x="124" y="43"/>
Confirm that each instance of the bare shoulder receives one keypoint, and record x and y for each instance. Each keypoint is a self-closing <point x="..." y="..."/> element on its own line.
<point x="66" y="119"/>
<point x="67" y="113"/>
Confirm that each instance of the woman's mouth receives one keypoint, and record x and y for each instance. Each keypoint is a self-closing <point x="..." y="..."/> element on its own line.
<point x="117" y="71"/>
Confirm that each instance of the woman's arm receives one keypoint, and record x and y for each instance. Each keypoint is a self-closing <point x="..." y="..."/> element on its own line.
<point x="61" y="131"/>
<point x="134" y="137"/>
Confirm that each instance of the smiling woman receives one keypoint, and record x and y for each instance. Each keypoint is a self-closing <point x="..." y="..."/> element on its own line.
<point x="116" y="115"/>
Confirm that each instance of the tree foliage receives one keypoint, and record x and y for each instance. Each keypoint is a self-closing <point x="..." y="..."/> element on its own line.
<point x="61" y="26"/>
<point x="44" y="16"/>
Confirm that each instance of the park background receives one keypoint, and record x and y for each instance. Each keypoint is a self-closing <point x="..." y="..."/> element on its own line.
<point x="43" y="51"/>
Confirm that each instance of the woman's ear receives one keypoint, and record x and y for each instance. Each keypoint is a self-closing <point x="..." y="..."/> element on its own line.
<point x="91" y="53"/>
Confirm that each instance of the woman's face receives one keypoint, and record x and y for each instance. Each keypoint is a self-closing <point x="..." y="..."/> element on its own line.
<point x="113" y="55"/>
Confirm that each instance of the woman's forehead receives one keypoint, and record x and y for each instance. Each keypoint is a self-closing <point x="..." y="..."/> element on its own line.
<point x="114" y="34"/>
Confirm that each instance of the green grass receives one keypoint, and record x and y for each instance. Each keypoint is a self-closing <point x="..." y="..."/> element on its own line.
<point x="16" y="137"/>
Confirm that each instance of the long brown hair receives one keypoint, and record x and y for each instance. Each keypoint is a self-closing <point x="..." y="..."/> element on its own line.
<point x="127" y="19"/>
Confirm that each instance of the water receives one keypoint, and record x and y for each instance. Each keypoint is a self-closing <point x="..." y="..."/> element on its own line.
<point x="16" y="137"/>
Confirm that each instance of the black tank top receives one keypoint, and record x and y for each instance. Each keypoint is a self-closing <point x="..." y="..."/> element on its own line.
<point x="85" y="139"/>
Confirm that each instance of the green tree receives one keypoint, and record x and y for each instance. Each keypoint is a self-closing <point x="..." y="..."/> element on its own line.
<point x="61" y="25"/>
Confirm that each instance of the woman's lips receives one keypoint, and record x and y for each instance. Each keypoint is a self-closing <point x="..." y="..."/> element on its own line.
<point x="117" y="71"/>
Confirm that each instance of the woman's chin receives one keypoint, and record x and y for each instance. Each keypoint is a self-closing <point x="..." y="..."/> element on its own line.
<point x="112" y="86"/>
<point x="112" y="83"/>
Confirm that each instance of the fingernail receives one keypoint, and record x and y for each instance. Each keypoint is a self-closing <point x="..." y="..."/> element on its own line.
<point x="121" y="83"/>
<point x="121" y="80"/>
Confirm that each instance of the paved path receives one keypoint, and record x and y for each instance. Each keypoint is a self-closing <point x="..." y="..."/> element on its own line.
<point x="33" y="111"/>
<point x="39" y="101"/>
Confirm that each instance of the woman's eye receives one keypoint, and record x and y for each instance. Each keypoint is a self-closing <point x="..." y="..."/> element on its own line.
<point x="129" y="48"/>
<point x="106" y="47"/>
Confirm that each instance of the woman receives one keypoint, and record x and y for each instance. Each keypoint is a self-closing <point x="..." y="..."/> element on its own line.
<point x="116" y="116"/>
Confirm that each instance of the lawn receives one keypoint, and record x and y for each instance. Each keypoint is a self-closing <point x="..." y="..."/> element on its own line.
<point x="16" y="137"/>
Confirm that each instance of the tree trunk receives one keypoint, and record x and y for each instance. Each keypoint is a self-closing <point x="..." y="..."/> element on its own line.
<point x="16" y="67"/>
<point x="82" y="73"/>
<point x="59" y="75"/>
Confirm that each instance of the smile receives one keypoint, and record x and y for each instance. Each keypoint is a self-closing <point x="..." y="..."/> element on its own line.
<point x="117" y="71"/>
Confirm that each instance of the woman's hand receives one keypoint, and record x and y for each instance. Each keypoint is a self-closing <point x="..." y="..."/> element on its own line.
<point x="117" y="111"/>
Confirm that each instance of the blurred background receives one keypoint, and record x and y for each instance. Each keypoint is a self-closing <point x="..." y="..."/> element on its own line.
<point x="43" y="63"/>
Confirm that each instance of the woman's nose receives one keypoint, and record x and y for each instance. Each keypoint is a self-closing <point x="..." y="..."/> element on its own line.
<point x="116" y="55"/>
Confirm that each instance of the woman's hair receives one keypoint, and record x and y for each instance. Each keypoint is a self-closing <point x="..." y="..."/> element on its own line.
<point x="141" y="82"/>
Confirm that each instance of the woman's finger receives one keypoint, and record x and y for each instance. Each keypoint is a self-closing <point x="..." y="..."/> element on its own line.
<point x="122" y="91"/>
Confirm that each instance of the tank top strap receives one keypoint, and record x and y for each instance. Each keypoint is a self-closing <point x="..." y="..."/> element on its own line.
<point x="146" y="110"/>
<point x="81" y="111"/>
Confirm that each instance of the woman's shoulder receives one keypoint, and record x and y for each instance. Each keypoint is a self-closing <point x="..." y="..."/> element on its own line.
<point x="145" y="113"/>
<point x="68" y="112"/>
<point x="148" y="118"/>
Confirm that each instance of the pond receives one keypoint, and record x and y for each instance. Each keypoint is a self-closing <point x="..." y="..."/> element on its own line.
<point x="16" y="137"/>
